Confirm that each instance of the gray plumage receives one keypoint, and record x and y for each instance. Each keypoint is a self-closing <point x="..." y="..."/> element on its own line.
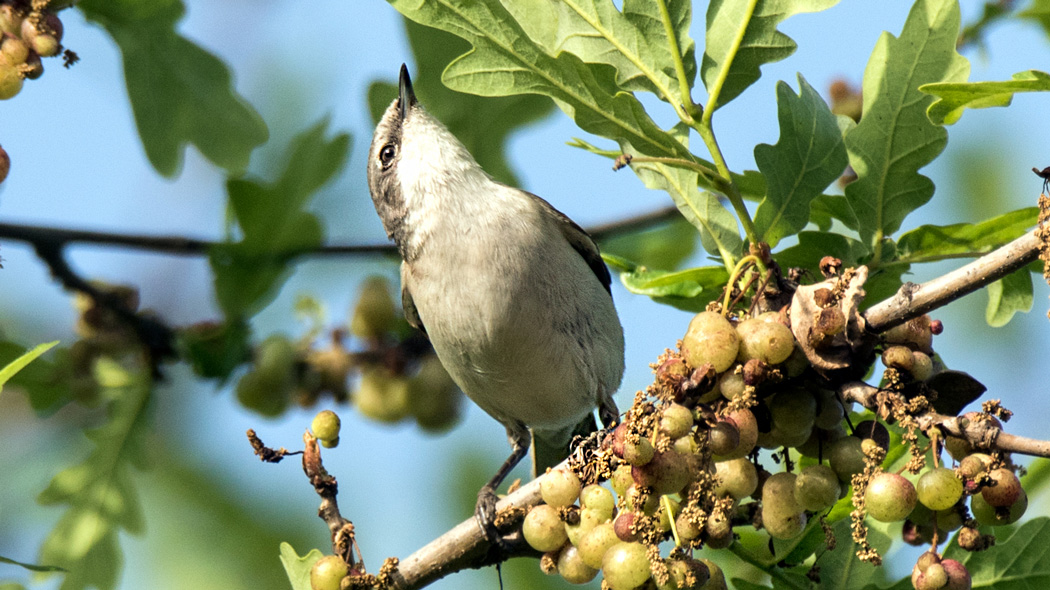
<point x="512" y="294"/>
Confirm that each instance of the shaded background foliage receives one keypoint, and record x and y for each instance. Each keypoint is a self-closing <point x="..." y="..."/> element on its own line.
<point x="213" y="515"/>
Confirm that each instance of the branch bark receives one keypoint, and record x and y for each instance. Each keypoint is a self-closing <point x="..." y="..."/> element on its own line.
<point x="914" y="300"/>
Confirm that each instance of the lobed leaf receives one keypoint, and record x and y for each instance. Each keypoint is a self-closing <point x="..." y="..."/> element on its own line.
<point x="100" y="495"/>
<point x="179" y="92"/>
<point x="273" y="222"/>
<point x="954" y="98"/>
<point x="666" y="246"/>
<point x="741" y="37"/>
<point x="1038" y="11"/>
<point x="809" y="156"/>
<point x="634" y="41"/>
<point x="481" y="123"/>
<point x="298" y="568"/>
<point x="894" y="138"/>
<point x="690" y="290"/>
<point x="504" y="61"/>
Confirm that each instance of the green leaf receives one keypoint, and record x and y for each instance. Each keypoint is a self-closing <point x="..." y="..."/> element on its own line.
<point x="809" y="156"/>
<point x="634" y="41"/>
<point x="1007" y="296"/>
<point x="481" y="123"/>
<point x="1017" y="563"/>
<point x="13" y="367"/>
<point x="273" y="222"/>
<point x="47" y="383"/>
<point x="505" y="61"/>
<point x="100" y="495"/>
<point x="1038" y="11"/>
<point x="179" y="92"/>
<point x="894" y="138"/>
<point x="32" y="567"/>
<point x="928" y="243"/>
<point x="298" y="568"/>
<point x="665" y="246"/>
<point x="953" y="98"/>
<point x="840" y="569"/>
<point x="691" y="289"/>
<point x="215" y="349"/>
<point x="824" y="208"/>
<point x="741" y="37"/>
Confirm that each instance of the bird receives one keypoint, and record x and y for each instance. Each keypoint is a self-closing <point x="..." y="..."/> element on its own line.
<point x="512" y="294"/>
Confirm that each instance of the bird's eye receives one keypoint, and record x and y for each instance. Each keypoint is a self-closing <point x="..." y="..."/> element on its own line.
<point x="386" y="155"/>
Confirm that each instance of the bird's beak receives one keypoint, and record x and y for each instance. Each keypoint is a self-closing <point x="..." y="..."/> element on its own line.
<point x="406" y="98"/>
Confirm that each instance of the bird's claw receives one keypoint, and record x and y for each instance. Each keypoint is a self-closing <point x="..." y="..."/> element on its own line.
<point x="485" y="515"/>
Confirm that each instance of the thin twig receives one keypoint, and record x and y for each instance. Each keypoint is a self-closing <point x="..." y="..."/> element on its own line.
<point x="982" y="434"/>
<point x="914" y="300"/>
<point x="184" y="246"/>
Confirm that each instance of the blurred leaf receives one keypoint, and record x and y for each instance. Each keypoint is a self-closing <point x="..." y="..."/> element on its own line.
<point x="840" y="569"/>
<point x="298" y="568"/>
<point x="933" y="242"/>
<point x="665" y="246"/>
<point x="179" y="92"/>
<point x="955" y="390"/>
<point x="11" y="586"/>
<point x="506" y="62"/>
<point x="894" y="139"/>
<point x="1038" y="11"/>
<point x="482" y="124"/>
<point x="11" y="368"/>
<point x="47" y="382"/>
<point x="953" y="98"/>
<point x="214" y="350"/>
<point x="273" y="222"/>
<point x="814" y="245"/>
<point x="809" y="156"/>
<point x="741" y="37"/>
<point x="1016" y="563"/>
<point x="1037" y="476"/>
<point x="991" y="12"/>
<point x="99" y="493"/>
<point x="1007" y="296"/>
<point x="30" y="566"/>
<point x="633" y="41"/>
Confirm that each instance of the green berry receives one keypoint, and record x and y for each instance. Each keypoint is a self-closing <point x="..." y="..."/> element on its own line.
<point x="626" y="566"/>
<point x="374" y="314"/>
<point x="327" y="573"/>
<point x="325" y="425"/>
<point x="589" y="519"/>
<point x="817" y="488"/>
<point x="846" y="457"/>
<point x="767" y="341"/>
<point x="710" y="338"/>
<point x="543" y="528"/>
<point x="939" y="489"/>
<point x="676" y="420"/>
<point x="560" y="488"/>
<point x="736" y="477"/>
<point x="595" y="542"/>
<point x="889" y="497"/>
<point x="382" y="395"/>
<point x="10" y="81"/>
<point x="572" y="568"/>
<point x="1004" y="490"/>
<point x="595" y="497"/>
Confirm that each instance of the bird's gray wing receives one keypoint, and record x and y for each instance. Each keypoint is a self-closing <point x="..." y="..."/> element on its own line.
<point x="580" y="241"/>
<point x="411" y="313"/>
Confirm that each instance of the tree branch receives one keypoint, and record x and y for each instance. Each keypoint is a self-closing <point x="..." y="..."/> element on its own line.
<point x="184" y="246"/>
<point x="914" y="300"/>
<point x="982" y="434"/>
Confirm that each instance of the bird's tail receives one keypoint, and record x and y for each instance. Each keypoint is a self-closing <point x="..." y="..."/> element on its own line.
<point x="552" y="447"/>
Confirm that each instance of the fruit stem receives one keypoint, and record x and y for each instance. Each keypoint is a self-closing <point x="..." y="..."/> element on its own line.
<point x="738" y="270"/>
<point x="671" y="519"/>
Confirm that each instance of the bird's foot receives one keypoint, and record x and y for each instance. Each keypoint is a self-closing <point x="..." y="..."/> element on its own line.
<point x="485" y="515"/>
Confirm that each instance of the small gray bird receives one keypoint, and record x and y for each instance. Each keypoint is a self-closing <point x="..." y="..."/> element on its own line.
<point x="512" y="294"/>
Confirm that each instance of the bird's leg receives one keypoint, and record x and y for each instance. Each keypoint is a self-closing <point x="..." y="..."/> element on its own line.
<point x="485" y="510"/>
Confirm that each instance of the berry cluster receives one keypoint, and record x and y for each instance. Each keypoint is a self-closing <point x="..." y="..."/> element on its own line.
<point x="686" y="463"/>
<point x="397" y="376"/>
<point x="30" y="31"/>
